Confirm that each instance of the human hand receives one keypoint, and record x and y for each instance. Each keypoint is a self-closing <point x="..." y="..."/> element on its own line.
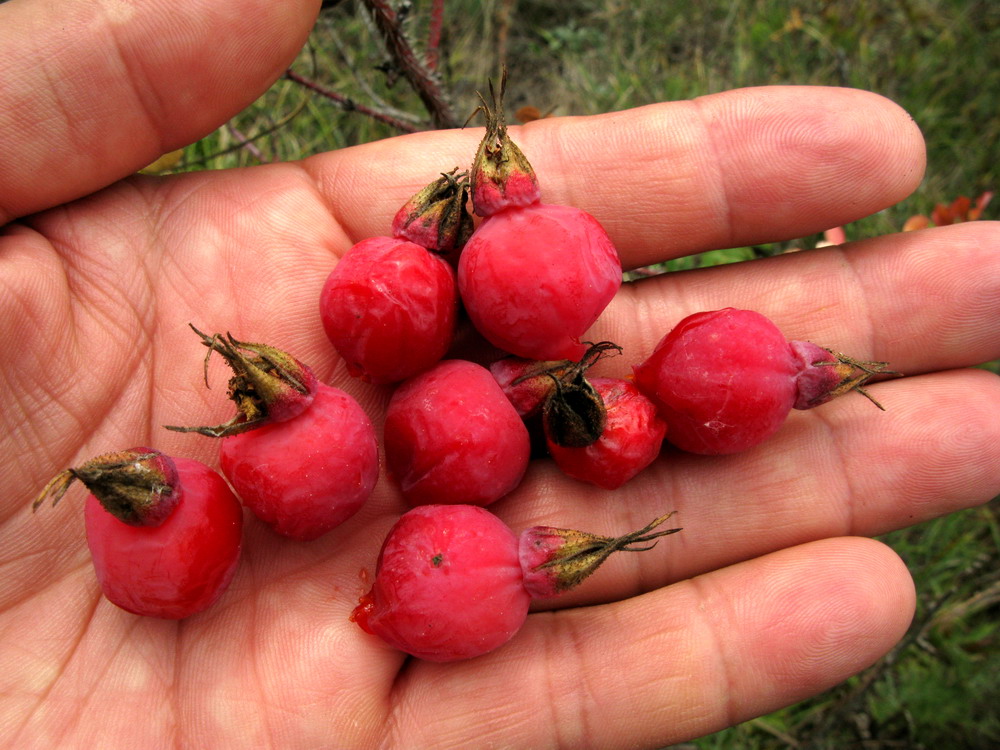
<point x="769" y="595"/>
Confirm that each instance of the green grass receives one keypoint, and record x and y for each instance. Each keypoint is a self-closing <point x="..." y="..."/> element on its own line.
<point x="938" y="687"/>
<point x="939" y="59"/>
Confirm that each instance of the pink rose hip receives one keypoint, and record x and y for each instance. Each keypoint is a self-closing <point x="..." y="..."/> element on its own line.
<point x="306" y="476"/>
<point x="454" y="582"/>
<point x="534" y="276"/>
<point x="389" y="308"/>
<point x="164" y="533"/>
<point x="725" y="380"/>
<point x="451" y="436"/>
<point x="447" y="584"/>
<point x="535" y="279"/>
<point x="302" y="455"/>
<point x="629" y="442"/>
<point x="390" y="304"/>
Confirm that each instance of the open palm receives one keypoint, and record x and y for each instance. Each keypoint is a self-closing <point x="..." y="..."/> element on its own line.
<point x="770" y="594"/>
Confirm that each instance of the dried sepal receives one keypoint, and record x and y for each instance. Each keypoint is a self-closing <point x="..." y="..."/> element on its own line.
<point x="268" y="384"/>
<point x="825" y="374"/>
<point x="137" y="486"/>
<point x="437" y="216"/>
<point x="554" y="560"/>
<point x="501" y="175"/>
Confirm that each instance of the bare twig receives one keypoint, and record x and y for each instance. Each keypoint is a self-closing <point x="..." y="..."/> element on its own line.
<point x="433" y="53"/>
<point x="424" y="82"/>
<point x="378" y="103"/>
<point x="246" y="142"/>
<point x="504" y="14"/>
<point x="349" y="104"/>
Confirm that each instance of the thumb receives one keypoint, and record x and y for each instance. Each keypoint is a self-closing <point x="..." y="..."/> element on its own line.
<point x="94" y="89"/>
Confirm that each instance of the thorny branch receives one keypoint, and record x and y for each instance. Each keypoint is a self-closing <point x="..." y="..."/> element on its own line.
<point x="351" y="105"/>
<point x="424" y="81"/>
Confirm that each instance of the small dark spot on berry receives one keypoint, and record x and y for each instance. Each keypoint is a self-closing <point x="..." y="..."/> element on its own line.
<point x="436" y="560"/>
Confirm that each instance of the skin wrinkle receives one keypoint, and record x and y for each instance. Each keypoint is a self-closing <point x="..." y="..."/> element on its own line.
<point x="554" y="686"/>
<point x="81" y="279"/>
<point x="145" y="95"/>
<point x="177" y="665"/>
<point x="720" y="186"/>
<point x="67" y="117"/>
<point x="663" y="475"/>
<point x="586" y="697"/>
<point x="343" y="241"/>
<point x="703" y="592"/>
<point x="860" y="300"/>
<point x="256" y="667"/>
<point x="396" y="702"/>
<point x="848" y="494"/>
<point x="64" y="665"/>
<point x="638" y="566"/>
<point x="644" y="316"/>
<point x="100" y="675"/>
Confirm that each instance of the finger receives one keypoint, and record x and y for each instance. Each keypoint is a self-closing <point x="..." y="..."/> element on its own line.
<point x="730" y="169"/>
<point x="921" y="300"/>
<point x="690" y="659"/>
<point x="843" y="468"/>
<point x="93" y="91"/>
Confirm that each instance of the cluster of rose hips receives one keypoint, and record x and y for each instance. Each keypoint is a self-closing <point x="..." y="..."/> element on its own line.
<point x="452" y="581"/>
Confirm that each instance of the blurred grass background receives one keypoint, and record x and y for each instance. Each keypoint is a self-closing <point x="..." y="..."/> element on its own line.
<point x="939" y="59"/>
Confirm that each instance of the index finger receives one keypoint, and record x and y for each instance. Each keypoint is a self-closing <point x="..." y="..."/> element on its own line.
<point x="726" y="170"/>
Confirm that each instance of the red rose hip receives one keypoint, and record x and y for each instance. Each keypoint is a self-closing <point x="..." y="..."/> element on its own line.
<point x="451" y="436"/>
<point x="389" y="308"/>
<point x="533" y="277"/>
<point x="164" y="533"/>
<point x="302" y="455"/>
<point x="308" y="475"/>
<point x="447" y="584"/>
<point x="725" y="380"/>
<point x="390" y="304"/>
<point x="629" y="442"/>
<point x="454" y="582"/>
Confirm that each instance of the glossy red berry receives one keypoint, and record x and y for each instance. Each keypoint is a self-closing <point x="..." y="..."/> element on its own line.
<point x="451" y="436"/>
<point x="630" y="441"/>
<point x="302" y="470"/>
<point x="169" y="565"/>
<point x="725" y="380"/>
<point x="447" y="584"/>
<point x="454" y="582"/>
<point x="389" y="308"/>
